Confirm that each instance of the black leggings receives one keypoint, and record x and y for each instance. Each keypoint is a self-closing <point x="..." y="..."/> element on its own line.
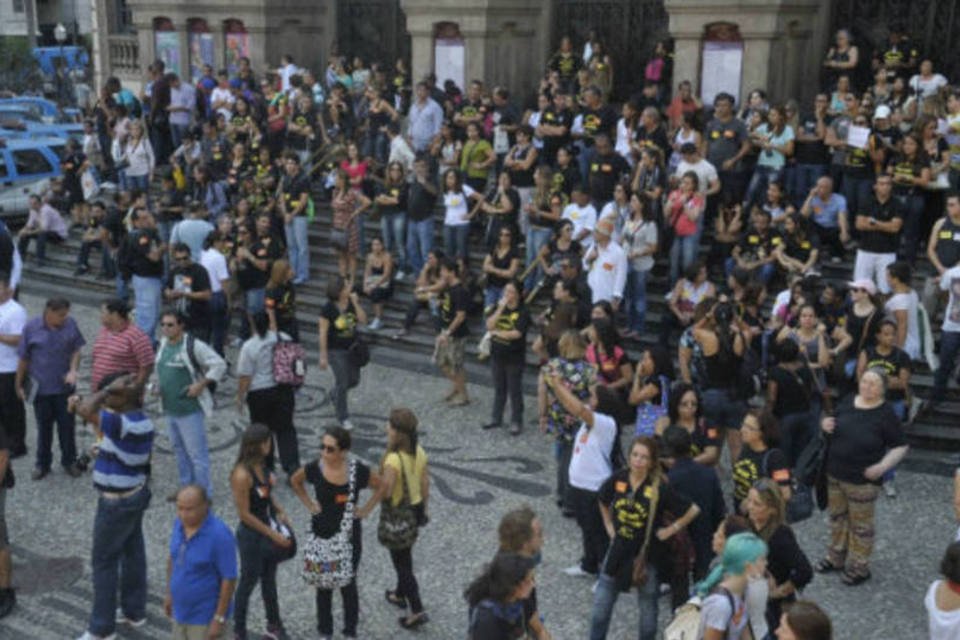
<point x="351" y="610"/>
<point x="407" y="586"/>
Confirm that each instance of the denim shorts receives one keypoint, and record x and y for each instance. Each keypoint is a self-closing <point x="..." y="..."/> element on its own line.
<point x="721" y="410"/>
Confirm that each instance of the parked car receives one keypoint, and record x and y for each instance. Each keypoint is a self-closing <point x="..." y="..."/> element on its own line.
<point x="46" y="110"/>
<point x="13" y="128"/>
<point x="26" y="168"/>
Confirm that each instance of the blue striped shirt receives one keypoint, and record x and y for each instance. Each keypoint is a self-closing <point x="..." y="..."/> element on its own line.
<point x="124" y="459"/>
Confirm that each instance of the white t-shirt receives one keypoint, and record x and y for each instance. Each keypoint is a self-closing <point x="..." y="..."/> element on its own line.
<point x="216" y="265"/>
<point x="950" y="281"/>
<point x="706" y="173"/>
<point x="927" y="87"/>
<point x="590" y="462"/>
<point x="12" y="318"/>
<point x="943" y="625"/>
<point x="717" y="614"/>
<point x="220" y="94"/>
<point x="907" y="302"/>
<point x="457" y="206"/>
<point x="256" y="361"/>
<point x="582" y="218"/>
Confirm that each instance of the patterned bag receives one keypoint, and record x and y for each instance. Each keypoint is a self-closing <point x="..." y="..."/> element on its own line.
<point x="648" y="413"/>
<point x="398" y="526"/>
<point x="328" y="562"/>
<point x="289" y="362"/>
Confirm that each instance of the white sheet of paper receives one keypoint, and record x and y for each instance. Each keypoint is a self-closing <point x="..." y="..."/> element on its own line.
<point x="720" y="70"/>
<point x="448" y="58"/>
<point x="858" y="137"/>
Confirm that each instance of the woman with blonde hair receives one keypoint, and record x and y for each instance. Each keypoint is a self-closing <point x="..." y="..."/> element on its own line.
<point x="280" y="299"/>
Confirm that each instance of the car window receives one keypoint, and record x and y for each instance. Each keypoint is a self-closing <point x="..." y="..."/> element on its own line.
<point x="3" y="168"/>
<point x="31" y="162"/>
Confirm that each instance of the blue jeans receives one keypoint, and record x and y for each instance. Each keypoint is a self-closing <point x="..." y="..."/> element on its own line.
<point x="491" y="296"/>
<point x="147" y="293"/>
<point x="804" y="177"/>
<point x="128" y="182"/>
<point x="757" y="189"/>
<point x="177" y="132"/>
<point x="584" y="158"/>
<point x="256" y="300"/>
<point x="419" y="243"/>
<point x="219" y="320"/>
<point x="455" y="240"/>
<point x="721" y="410"/>
<point x="536" y="238"/>
<point x="949" y="348"/>
<point x="606" y="596"/>
<point x="52" y="409"/>
<point x="298" y="250"/>
<point x="636" y="299"/>
<point x="123" y="288"/>
<point x="392" y="226"/>
<point x="764" y="272"/>
<point x="119" y="559"/>
<point x="683" y="253"/>
<point x="857" y="192"/>
<point x="189" y="437"/>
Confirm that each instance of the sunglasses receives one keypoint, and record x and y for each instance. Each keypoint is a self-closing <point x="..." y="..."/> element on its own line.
<point x="168" y="324"/>
<point x="328" y="448"/>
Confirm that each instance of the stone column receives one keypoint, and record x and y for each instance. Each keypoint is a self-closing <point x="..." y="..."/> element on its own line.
<point x="781" y="42"/>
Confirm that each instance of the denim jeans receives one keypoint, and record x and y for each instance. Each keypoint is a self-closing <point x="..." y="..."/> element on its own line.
<point x="757" y="189"/>
<point x="256" y="300"/>
<point x="491" y="296"/>
<point x="857" y="192"/>
<point x="419" y="243"/>
<point x="455" y="240"/>
<point x="346" y="376"/>
<point x="147" y="293"/>
<point x="219" y="320"/>
<point x="584" y="158"/>
<point x="189" y="437"/>
<point x="392" y="226"/>
<point x="177" y="132"/>
<point x="42" y="238"/>
<point x="298" y="250"/>
<point x="119" y="559"/>
<point x="764" y="272"/>
<point x="949" y="348"/>
<point x="128" y="182"/>
<point x="51" y="409"/>
<point x="256" y="565"/>
<point x="804" y="177"/>
<point x="536" y="238"/>
<point x="683" y="253"/>
<point x="83" y="257"/>
<point x="636" y="299"/>
<point x="605" y="597"/>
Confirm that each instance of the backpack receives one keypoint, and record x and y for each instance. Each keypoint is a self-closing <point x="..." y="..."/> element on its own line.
<point x="192" y="355"/>
<point x="685" y="624"/>
<point x="289" y="362"/>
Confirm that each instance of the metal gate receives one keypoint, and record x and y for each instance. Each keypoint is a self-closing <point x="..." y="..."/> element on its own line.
<point x="629" y="29"/>
<point x="933" y="25"/>
<point x="375" y="30"/>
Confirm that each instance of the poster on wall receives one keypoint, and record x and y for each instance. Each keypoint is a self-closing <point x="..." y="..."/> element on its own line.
<point x="168" y="48"/>
<point x="721" y="69"/>
<point x="448" y="61"/>
<point x="201" y="53"/>
<point x="237" y="46"/>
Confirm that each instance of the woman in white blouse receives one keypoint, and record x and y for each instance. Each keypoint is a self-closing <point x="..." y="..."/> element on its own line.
<point x="136" y="158"/>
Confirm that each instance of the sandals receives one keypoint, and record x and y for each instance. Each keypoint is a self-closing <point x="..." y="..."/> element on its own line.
<point x="394" y="599"/>
<point x="414" y="621"/>
<point x="825" y="566"/>
<point x="852" y="580"/>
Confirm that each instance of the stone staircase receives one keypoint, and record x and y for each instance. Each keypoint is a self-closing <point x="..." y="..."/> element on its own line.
<point x="937" y="435"/>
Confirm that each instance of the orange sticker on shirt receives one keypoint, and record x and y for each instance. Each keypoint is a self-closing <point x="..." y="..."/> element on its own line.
<point x="608" y="266"/>
<point x="341" y="498"/>
<point x="781" y="475"/>
<point x="620" y="487"/>
<point x="712" y="434"/>
<point x="270" y="303"/>
<point x="144" y="239"/>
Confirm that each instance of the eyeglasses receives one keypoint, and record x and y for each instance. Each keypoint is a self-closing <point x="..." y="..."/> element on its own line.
<point x="181" y="258"/>
<point x="168" y="324"/>
<point x="689" y="403"/>
<point x="328" y="448"/>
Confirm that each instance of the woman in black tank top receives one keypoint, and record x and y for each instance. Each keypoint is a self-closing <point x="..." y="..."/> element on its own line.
<point x="259" y="543"/>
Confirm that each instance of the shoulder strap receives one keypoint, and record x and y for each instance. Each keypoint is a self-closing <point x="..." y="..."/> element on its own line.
<point x="651" y="519"/>
<point x="192" y="355"/>
<point x="763" y="462"/>
<point x="733" y="605"/>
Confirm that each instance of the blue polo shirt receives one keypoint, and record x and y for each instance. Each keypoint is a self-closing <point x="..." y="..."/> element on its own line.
<point x="199" y="566"/>
<point x="827" y="214"/>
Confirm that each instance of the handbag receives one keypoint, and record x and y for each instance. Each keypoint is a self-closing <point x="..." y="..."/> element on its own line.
<point x="648" y="413"/>
<point x="328" y="562"/>
<point x="338" y="238"/>
<point x="282" y="554"/>
<point x="398" y="527"/>
<point x="639" y="576"/>
<point x="359" y="353"/>
<point x="289" y="362"/>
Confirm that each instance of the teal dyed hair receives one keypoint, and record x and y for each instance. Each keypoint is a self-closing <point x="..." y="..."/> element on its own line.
<point x="739" y="551"/>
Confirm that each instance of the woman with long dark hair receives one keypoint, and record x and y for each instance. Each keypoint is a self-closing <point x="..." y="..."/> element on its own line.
<point x="686" y="411"/>
<point x="338" y="323"/>
<point x="759" y="458"/>
<point x="496" y="598"/>
<point x="650" y="392"/>
<point x="508" y="325"/>
<point x="639" y="238"/>
<point x="348" y="205"/>
<point x="252" y="485"/>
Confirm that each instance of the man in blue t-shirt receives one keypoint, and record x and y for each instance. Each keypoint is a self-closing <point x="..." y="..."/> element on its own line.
<point x="201" y="568"/>
<point x="828" y="212"/>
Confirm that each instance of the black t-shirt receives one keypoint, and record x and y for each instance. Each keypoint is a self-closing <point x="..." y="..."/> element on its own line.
<point x="862" y="437"/>
<point x="758" y="246"/>
<point x="903" y="168"/>
<point x="566" y="65"/>
<point x="469" y="109"/>
<point x="631" y="514"/>
<point x="283" y="301"/>
<point x="192" y="278"/>
<point x="811" y="152"/>
<point x="502" y="262"/>
<point x="140" y="243"/>
<point x="801" y="249"/>
<point x="8" y="479"/>
<point x="116" y="230"/>
<point x="454" y="300"/>
<point x="394" y="191"/>
<point x="333" y="498"/>
<point x="793" y="390"/>
<point x="301" y="118"/>
<point x="556" y="118"/>
<point x="892" y="363"/>
<point x="754" y="465"/>
<point x="565" y="179"/>
<point x="605" y="172"/>
<point x="597" y="121"/>
<point x="342" y="330"/>
<point x="294" y="188"/>
<point x="656" y="139"/>
<point x="267" y="248"/>
<point x="420" y="202"/>
<point x="724" y="140"/>
<point x="556" y="255"/>
<point x="509" y="320"/>
<point x="880" y="241"/>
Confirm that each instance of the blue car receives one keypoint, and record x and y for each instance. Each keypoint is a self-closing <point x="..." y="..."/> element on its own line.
<point x="26" y="168"/>
<point x="18" y="129"/>
<point x="46" y="110"/>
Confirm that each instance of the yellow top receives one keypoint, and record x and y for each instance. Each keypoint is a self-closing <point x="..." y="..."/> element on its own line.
<point x="414" y="467"/>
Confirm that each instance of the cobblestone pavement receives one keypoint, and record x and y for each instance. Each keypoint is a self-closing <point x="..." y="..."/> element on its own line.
<point x="476" y="475"/>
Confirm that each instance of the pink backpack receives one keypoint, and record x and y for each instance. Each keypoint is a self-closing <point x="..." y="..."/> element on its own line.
<point x="289" y="363"/>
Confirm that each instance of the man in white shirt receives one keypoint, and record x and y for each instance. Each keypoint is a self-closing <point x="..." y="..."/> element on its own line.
<point x="400" y="151"/>
<point x="183" y="101"/>
<point x="222" y="98"/>
<point x="708" y="182"/>
<point x="582" y="214"/>
<point x="213" y="258"/>
<point x="44" y="224"/>
<point x="286" y="70"/>
<point x="13" y="418"/>
<point x="606" y="265"/>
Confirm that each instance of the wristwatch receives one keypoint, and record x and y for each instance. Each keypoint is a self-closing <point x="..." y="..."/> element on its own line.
<point x="219" y="619"/>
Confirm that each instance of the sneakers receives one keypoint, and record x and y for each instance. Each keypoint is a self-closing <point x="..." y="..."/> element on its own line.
<point x="515" y="429"/>
<point x="399" y="276"/>
<point x="375" y="325"/>
<point x="123" y="619"/>
<point x="346" y="424"/>
<point x="275" y="632"/>
<point x="576" y="571"/>
<point x="73" y="470"/>
<point x="491" y="425"/>
<point x="81" y="270"/>
<point x="399" y="334"/>
<point x="89" y="636"/>
<point x="39" y="473"/>
<point x="889" y="489"/>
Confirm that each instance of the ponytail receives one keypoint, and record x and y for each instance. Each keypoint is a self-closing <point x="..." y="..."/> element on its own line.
<point x="739" y="551"/>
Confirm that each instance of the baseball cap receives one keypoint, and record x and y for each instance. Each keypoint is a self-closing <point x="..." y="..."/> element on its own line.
<point x="883" y="111"/>
<point x="864" y="283"/>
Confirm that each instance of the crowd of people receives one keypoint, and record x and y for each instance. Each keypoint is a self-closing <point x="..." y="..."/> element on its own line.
<point x="759" y="358"/>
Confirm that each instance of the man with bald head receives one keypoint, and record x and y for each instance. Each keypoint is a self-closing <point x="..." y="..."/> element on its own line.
<point x="827" y="211"/>
<point x="201" y="569"/>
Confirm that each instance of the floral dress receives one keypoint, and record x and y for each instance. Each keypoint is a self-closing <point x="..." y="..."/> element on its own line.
<point x="344" y="204"/>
